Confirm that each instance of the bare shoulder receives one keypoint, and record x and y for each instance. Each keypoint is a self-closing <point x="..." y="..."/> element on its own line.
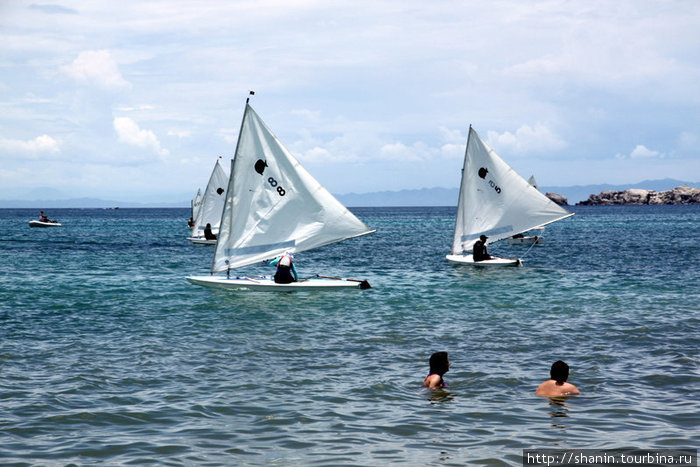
<point x="550" y="388"/>
<point x="432" y="381"/>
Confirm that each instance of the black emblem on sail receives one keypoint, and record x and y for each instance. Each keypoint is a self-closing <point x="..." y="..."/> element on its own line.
<point x="219" y="191"/>
<point x="260" y="166"/>
<point x="482" y="172"/>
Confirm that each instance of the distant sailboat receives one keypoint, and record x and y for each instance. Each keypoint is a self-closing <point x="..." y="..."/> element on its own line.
<point x="533" y="182"/>
<point x="211" y="207"/>
<point x="497" y="202"/>
<point x="274" y="206"/>
<point x="195" y="204"/>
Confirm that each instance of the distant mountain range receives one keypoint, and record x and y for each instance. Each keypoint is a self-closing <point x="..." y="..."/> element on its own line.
<point x="448" y="196"/>
<point x="419" y="197"/>
<point x="85" y="203"/>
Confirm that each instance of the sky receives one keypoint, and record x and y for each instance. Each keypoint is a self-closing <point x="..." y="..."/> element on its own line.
<point x="135" y="101"/>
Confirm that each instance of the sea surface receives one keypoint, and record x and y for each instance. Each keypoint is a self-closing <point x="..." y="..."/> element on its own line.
<point x="108" y="356"/>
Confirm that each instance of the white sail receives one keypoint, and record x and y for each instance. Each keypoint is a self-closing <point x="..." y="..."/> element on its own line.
<point x="196" y="203"/>
<point x="495" y="201"/>
<point x="213" y="201"/>
<point x="532" y="181"/>
<point x="274" y="205"/>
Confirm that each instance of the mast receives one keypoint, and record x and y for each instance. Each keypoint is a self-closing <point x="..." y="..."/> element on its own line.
<point x="229" y="190"/>
<point x="460" y="205"/>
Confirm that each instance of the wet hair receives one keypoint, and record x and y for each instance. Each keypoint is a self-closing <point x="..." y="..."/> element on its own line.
<point x="559" y="371"/>
<point x="439" y="363"/>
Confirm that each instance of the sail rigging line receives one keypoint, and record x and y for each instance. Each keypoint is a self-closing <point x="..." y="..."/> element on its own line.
<point x="528" y="250"/>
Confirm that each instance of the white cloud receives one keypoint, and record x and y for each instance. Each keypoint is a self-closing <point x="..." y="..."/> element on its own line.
<point x="130" y="133"/>
<point x="642" y="151"/>
<point x="452" y="136"/>
<point x="319" y="154"/>
<point x="43" y="144"/>
<point x="180" y="133"/>
<point x="400" y="152"/>
<point x="135" y="108"/>
<point x="310" y="115"/>
<point x="96" y="67"/>
<point x="526" y="140"/>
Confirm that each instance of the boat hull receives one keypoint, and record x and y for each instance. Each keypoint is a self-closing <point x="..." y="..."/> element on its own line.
<point x="201" y="241"/>
<point x="495" y="262"/>
<point x="267" y="283"/>
<point x="43" y="224"/>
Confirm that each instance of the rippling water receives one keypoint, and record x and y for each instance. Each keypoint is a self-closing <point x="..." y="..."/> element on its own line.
<point x="109" y="357"/>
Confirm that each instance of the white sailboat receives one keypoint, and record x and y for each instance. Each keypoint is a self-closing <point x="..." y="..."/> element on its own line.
<point x="274" y="206"/>
<point x="211" y="207"/>
<point x="497" y="202"/>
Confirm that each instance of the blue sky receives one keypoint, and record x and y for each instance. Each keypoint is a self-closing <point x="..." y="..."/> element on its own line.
<point x="135" y="101"/>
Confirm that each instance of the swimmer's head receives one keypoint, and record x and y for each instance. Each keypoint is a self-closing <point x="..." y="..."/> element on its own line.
<point x="439" y="363"/>
<point x="559" y="371"/>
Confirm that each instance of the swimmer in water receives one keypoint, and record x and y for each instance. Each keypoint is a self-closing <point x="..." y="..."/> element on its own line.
<point x="439" y="365"/>
<point x="557" y="386"/>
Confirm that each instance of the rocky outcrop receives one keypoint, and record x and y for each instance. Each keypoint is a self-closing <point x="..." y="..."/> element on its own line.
<point x="679" y="195"/>
<point x="557" y="198"/>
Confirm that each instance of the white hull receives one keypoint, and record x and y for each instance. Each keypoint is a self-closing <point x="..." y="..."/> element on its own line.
<point x="496" y="261"/>
<point x="267" y="283"/>
<point x="43" y="224"/>
<point x="201" y="241"/>
<point x="529" y="240"/>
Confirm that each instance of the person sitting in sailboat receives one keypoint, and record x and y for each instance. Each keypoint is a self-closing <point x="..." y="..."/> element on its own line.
<point x="480" y="252"/>
<point x="286" y="272"/>
<point x="208" y="234"/>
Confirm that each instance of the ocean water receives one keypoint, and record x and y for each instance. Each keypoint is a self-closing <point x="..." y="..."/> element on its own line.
<point x="109" y="357"/>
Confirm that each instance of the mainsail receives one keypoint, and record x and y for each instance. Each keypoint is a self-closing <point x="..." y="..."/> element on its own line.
<point x="274" y="205"/>
<point x="495" y="201"/>
<point x="196" y="203"/>
<point x="212" y="204"/>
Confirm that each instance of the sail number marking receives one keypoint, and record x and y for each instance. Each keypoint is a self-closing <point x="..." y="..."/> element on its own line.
<point x="273" y="183"/>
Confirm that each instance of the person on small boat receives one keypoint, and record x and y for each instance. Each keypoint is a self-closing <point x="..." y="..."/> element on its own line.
<point x="286" y="271"/>
<point x="480" y="252"/>
<point x="43" y="218"/>
<point x="208" y="234"/>
<point x="557" y="385"/>
<point x="439" y="365"/>
<point x="190" y="223"/>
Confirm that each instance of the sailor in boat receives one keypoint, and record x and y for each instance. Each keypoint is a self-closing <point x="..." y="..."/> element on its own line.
<point x="286" y="271"/>
<point x="208" y="234"/>
<point x="190" y="223"/>
<point x="480" y="251"/>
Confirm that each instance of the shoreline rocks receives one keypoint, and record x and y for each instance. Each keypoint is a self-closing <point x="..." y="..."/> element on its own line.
<point x="557" y="198"/>
<point x="635" y="196"/>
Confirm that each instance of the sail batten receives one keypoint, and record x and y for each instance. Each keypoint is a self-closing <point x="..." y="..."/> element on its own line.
<point x="273" y="205"/>
<point x="495" y="200"/>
